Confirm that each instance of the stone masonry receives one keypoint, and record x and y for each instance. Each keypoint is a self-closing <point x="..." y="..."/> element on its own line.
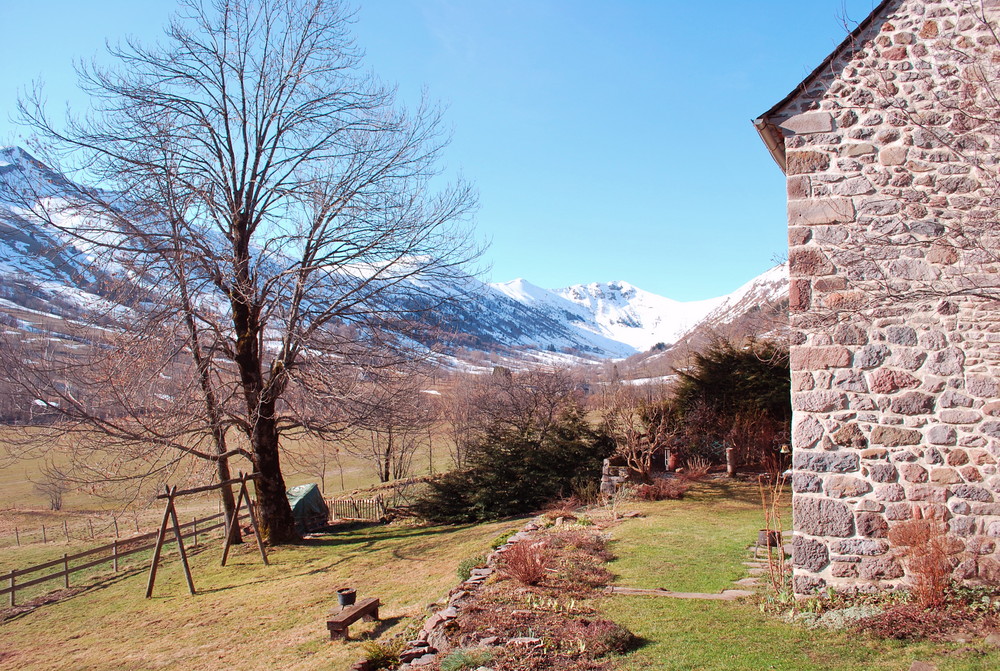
<point x="894" y="273"/>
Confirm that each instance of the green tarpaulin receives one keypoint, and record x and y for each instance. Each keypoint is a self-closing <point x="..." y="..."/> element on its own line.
<point x="308" y="507"/>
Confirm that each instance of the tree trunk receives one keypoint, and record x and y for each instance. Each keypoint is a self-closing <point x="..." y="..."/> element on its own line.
<point x="275" y="513"/>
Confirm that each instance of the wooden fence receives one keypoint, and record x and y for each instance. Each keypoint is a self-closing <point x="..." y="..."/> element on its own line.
<point x="113" y="553"/>
<point x="365" y="510"/>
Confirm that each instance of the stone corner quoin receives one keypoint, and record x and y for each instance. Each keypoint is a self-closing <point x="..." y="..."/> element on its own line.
<point x="895" y="342"/>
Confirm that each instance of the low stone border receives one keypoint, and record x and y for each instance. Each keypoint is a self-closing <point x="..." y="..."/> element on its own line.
<point x="432" y="640"/>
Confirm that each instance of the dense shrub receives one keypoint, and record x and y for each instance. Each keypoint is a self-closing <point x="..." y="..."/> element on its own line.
<point x="735" y="396"/>
<point x="512" y="472"/>
<point x="662" y="489"/>
<point x="526" y="562"/>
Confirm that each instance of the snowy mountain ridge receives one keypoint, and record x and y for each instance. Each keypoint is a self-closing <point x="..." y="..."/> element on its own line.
<point x="43" y="271"/>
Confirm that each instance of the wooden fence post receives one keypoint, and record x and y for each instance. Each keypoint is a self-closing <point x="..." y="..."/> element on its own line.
<point x="66" y="530"/>
<point x="91" y="523"/>
<point x="17" y="536"/>
<point x="44" y="539"/>
<point x="12" y="587"/>
<point x="66" y="570"/>
<point x="116" y="526"/>
<point x="195" y="543"/>
<point x="114" y="554"/>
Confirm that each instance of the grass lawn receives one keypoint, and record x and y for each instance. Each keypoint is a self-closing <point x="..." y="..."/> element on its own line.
<point x="699" y="544"/>
<point x="247" y="615"/>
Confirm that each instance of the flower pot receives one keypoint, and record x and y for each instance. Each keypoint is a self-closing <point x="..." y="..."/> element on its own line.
<point x="768" y="538"/>
<point x="346" y="596"/>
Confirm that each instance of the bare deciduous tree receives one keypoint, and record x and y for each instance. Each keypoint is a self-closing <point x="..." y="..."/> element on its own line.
<point x="275" y="210"/>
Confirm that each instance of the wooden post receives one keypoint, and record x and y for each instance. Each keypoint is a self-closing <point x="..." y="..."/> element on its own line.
<point x="91" y="523"/>
<point x="195" y="544"/>
<point x="17" y="536"/>
<point x="114" y="554"/>
<point x="115" y="519"/>
<point x="66" y="570"/>
<point x="66" y="530"/>
<point x="256" y="530"/>
<point x="180" y="546"/>
<point x="235" y="519"/>
<point x="159" y="541"/>
<point x="11" y="589"/>
<point x="44" y="539"/>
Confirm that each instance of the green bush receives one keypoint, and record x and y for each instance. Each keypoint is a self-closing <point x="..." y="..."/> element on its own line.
<point x="383" y="655"/>
<point x="466" y="658"/>
<point x="512" y="472"/>
<point x="466" y="565"/>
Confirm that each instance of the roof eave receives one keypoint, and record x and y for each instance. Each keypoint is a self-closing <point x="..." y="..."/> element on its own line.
<point x="769" y="131"/>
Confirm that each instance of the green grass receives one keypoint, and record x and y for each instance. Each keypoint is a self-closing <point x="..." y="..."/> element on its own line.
<point x="248" y="615"/>
<point x="699" y="544"/>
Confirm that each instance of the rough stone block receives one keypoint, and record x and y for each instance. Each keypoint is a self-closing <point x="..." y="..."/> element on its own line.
<point x="901" y="335"/>
<point x="971" y="493"/>
<point x="861" y="546"/>
<point x="871" y="356"/>
<point x="892" y="436"/>
<point x="807" y="262"/>
<point x="913" y="472"/>
<point x="842" y="569"/>
<point x="799" y="295"/>
<point x="845" y="487"/>
<point x="826" y="462"/>
<point x="879" y="568"/>
<point x="809" y="123"/>
<point x="849" y="435"/>
<point x="946" y="362"/>
<point x="819" y="401"/>
<point x="806" y="483"/>
<point x="807" y="584"/>
<point x="882" y="473"/>
<point x="888" y="381"/>
<point x="960" y="417"/>
<point x="807" y="358"/>
<point x="872" y="525"/>
<point x="895" y="155"/>
<point x="912" y="403"/>
<point x="820" y="211"/>
<point x="890" y="493"/>
<point x="857" y="149"/>
<point x="809" y="554"/>
<point x="941" y="435"/>
<point x="806" y="433"/>
<point x="822" y="517"/>
<point x="806" y="162"/>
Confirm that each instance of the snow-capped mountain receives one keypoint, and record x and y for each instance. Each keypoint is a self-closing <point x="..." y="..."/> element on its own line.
<point x="46" y="277"/>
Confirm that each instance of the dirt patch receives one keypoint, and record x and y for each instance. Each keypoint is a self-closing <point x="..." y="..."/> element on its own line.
<point x="30" y="605"/>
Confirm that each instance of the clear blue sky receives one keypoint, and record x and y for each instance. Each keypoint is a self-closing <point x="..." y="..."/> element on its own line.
<point x="609" y="139"/>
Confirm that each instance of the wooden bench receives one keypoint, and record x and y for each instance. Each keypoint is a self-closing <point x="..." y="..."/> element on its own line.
<point x="338" y="622"/>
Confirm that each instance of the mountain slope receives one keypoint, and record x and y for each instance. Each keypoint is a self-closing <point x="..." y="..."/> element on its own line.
<point x="45" y="273"/>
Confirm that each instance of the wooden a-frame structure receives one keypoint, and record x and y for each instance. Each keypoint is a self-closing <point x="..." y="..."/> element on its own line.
<point x="170" y="516"/>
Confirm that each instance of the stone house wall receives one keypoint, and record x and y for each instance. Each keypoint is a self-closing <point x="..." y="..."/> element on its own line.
<point x="896" y="342"/>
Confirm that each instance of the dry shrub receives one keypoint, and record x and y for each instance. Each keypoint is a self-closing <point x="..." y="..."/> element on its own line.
<point x="526" y="562"/>
<point x="927" y="553"/>
<point x="601" y="637"/>
<point x="696" y="469"/>
<point x="663" y="488"/>
<point x="908" y="622"/>
<point x="593" y="544"/>
<point x="567" y="508"/>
